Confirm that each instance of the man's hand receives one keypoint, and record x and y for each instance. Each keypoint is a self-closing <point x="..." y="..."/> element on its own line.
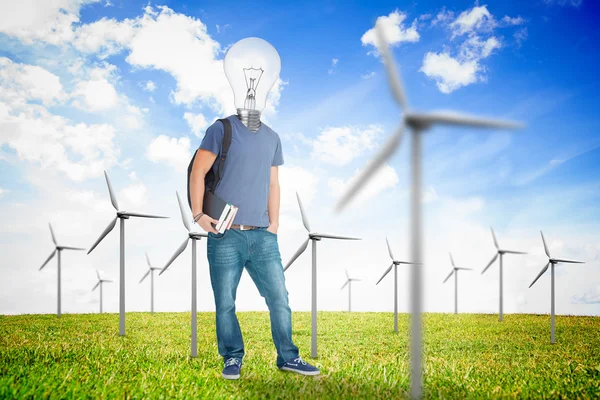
<point x="205" y="223"/>
<point x="273" y="228"/>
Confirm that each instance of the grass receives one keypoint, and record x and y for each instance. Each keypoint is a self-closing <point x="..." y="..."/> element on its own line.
<point x="360" y="357"/>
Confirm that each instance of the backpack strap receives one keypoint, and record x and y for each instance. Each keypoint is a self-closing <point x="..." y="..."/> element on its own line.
<point x="224" y="149"/>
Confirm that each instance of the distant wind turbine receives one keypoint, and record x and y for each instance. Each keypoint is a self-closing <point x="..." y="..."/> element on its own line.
<point x="314" y="237"/>
<point x="500" y="252"/>
<point x="349" y="283"/>
<point x="395" y="264"/>
<point x="455" y="270"/>
<point x="194" y="236"/>
<point x="122" y="216"/>
<point x="99" y="284"/>
<point x="150" y="272"/>
<point x="552" y="262"/>
<point x="58" y="249"/>
<point x="418" y="123"/>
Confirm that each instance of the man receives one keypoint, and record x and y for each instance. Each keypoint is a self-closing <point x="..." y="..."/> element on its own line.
<point x="250" y="182"/>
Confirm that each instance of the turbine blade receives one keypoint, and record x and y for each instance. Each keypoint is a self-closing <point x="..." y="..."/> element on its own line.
<point x="564" y="260"/>
<point x="98" y="275"/>
<point x="47" y="260"/>
<point x="329" y="236"/>
<point x="145" y="275"/>
<point x="148" y="260"/>
<point x="303" y="214"/>
<point x="380" y="158"/>
<point x="390" y="68"/>
<point x="545" y="246"/>
<point x="465" y="269"/>
<point x="97" y="284"/>
<point x="389" y="249"/>
<point x="540" y="274"/>
<point x="106" y="280"/>
<point x="495" y="240"/>
<point x="345" y="284"/>
<point x="106" y="232"/>
<point x="490" y="263"/>
<point x="52" y="233"/>
<point x="385" y="273"/>
<point x="135" y="214"/>
<point x="405" y="262"/>
<point x="113" y="199"/>
<point x="300" y="250"/>
<point x="452" y="260"/>
<point x="174" y="256"/>
<point x="514" y="252"/>
<point x="448" y="277"/>
<point x="72" y="248"/>
<point x="186" y="223"/>
<point x="453" y="118"/>
<point x="346" y="271"/>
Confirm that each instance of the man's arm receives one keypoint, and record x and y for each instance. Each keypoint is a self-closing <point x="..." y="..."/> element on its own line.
<point x="273" y="204"/>
<point x="202" y="164"/>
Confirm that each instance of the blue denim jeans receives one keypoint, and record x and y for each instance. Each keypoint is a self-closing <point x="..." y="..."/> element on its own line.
<point x="258" y="251"/>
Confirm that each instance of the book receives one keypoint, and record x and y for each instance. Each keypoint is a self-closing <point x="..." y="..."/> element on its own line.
<point x="223" y="217"/>
<point x="232" y="217"/>
<point x="214" y="206"/>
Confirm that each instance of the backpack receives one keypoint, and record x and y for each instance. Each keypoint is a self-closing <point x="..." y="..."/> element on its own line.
<point x="210" y="179"/>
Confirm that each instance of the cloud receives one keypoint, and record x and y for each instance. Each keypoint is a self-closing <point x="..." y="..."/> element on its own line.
<point x="97" y="95"/>
<point x="197" y="122"/>
<point x="2" y="192"/>
<point x="148" y="86"/>
<point x="331" y="70"/>
<point x="171" y="151"/>
<point x="448" y="72"/>
<point x="368" y="75"/>
<point x="562" y="3"/>
<point x="22" y="82"/>
<point x="385" y="178"/>
<point x="591" y="297"/>
<point x="520" y="36"/>
<point x="477" y="18"/>
<point x="340" y="145"/>
<point x="513" y="21"/>
<point x="394" y="31"/>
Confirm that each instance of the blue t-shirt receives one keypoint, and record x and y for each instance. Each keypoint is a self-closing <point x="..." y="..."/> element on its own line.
<point x="247" y="172"/>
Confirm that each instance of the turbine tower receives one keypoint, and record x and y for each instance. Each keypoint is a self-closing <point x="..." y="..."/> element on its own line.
<point x="500" y="252"/>
<point x="150" y="272"/>
<point x="455" y="270"/>
<point x="122" y="216"/>
<point x="395" y="264"/>
<point x="194" y="236"/>
<point x="314" y="237"/>
<point x="418" y="123"/>
<point x="552" y="262"/>
<point x="349" y="283"/>
<point x="58" y="249"/>
<point x="99" y="284"/>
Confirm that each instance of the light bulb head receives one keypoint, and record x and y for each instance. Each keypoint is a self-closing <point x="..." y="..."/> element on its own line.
<point x="252" y="67"/>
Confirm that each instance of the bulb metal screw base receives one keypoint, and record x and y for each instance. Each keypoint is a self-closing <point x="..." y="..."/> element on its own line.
<point x="250" y="118"/>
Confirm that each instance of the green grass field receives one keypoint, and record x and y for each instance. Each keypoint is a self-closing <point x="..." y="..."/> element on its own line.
<point x="360" y="357"/>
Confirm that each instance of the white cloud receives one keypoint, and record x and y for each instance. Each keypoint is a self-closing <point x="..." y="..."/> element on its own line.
<point x="171" y="151"/>
<point x="340" y="145"/>
<point x="448" y="72"/>
<point x="331" y="70"/>
<point x="22" y="82"/>
<point x="2" y="192"/>
<point x="442" y="17"/>
<point x="513" y="21"/>
<point x="520" y="36"/>
<point x="394" y="31"/>
<point x="476" y="19"/>
<point x="572" y="3"/>
<point x="591" y="297"/>
<point x="385" y="178"/>
<point x="149" y="86"/>
<point x="97" y="95"/>
<point x="197" y="122"/>
<point x="104" y="37"/>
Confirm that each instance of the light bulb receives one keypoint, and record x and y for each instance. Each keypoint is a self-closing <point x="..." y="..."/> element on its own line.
<point x="252" y="67"/>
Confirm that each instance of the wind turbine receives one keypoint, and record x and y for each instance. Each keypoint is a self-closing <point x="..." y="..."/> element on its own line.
<point x="418" y="123"/>
<point x="314" y="237"/>
<point x="194" y="236"/>
<point x="58" y="249"/>
<point x="455" y="270"/>
<point x="500" y="252"/>
<point x="99" y="284"/>
<point x="552" y="262"/>
<point x="122" y="216"/>
<point x="349" y="283"/>
<point x="150" y="272"/>
<point x="395" y="264"/>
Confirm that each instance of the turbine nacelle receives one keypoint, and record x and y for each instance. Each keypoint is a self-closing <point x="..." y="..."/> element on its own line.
<point x="552" y="261"/>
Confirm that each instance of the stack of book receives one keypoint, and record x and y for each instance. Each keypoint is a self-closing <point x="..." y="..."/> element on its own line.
<point x="226" y="218"/>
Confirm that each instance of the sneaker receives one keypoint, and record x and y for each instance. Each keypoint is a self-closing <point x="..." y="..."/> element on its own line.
<point x="232" y="368"/>
<point x="300" y="366"/>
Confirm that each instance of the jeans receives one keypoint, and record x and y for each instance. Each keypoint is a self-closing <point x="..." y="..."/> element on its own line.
<point x="258" y="251"/>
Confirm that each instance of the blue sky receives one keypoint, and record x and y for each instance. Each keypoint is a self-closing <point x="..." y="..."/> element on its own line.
<point x="131" y="87"/>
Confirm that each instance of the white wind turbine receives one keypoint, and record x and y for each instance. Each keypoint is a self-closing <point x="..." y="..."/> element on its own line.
<point x="58" y="249"/>
<point x="418" y="123"/>
<point x="455" y="270"/>
<point x="99" y="284"/>
<point x="194" y="236"/>
<point x="150" y="272"/>
<point x="552" y="262"/>
<point x="395" y="264"/>
<point x="500" y="252"/>
<point x="122" y="216"/>
<point x="314" y="237"/>
<point x="349" y="283"/>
